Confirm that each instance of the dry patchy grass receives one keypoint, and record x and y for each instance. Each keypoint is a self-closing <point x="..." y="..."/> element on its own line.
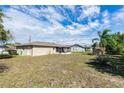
<point x="54" y="71"/>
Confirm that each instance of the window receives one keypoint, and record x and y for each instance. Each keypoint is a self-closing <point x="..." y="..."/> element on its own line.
<point x="58" y="49"/>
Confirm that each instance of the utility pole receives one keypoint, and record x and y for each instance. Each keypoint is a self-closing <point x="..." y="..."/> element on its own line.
<point x="29" y="39"/>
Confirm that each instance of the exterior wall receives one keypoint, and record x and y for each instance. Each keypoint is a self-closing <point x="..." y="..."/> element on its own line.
<point x="77" y="49"/>
<point x="24" y="52"/>
<point x="37" y="51"/>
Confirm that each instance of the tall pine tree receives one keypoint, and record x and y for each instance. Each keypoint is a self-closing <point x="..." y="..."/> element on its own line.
<point x="4" y="35"/>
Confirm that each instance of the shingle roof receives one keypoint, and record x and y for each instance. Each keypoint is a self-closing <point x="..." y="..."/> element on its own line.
<point x="39" y="43"/>
<point x="82" y="46"/>
<point x="8" y="47"/>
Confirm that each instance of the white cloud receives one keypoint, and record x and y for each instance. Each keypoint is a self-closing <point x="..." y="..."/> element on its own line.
<point x="105" y="20"/>
<point x="118" y="16"/>
<point x="94" y="24"/>
<point x="23" y="25"/>
<point x="49" y="12"/>
<point x="89" y="11"/>
<point x="24" y="21"/>
<point x="77" y="29"/>
<point x="117" y="20"/>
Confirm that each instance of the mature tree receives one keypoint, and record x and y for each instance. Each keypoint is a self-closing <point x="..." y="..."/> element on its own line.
<point x="103" y="39"/>
<point x="116" y="46"/>
<point x="4" y="35"/>
<point x="95" y="44"/>
<point x="110" y="43"/>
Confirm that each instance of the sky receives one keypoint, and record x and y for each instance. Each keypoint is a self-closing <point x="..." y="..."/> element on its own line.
<point x="62" y="24"/>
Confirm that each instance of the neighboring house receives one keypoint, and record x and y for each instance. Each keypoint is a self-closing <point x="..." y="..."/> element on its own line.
<point x="77" y="48"/>
<point x="42" y="48"/>
<point x="80" y="48"/>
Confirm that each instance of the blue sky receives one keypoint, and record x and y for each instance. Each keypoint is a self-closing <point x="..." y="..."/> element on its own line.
<point x="62" y="24"/>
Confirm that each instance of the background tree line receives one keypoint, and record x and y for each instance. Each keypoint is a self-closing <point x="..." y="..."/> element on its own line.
<point x="109" y="43"/>
<point x="112" y="47"/>
<point x="5" y="35"/>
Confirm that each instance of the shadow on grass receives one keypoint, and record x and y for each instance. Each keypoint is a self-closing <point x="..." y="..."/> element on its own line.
<point x="3" y="68"/>
<point x="105" y="68"/>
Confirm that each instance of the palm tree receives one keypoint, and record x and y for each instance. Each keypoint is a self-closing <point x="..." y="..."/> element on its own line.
<point x="103" y="39"/>
<point x="95" y="44"/>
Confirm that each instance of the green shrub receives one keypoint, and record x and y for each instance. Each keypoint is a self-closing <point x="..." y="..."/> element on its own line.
<point x="12" y="52"/>
<point x="2" y="56"/>
<point x="103" y="59"/>
<point x="116" y="62"/>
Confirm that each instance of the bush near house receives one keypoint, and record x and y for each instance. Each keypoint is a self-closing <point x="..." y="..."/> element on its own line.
<point x="112" y="46"/>
<point x="115" y="61"/>
<point x="2" y="56"/>
<point x="6" y="54"/>
<point x="12" y="52"/>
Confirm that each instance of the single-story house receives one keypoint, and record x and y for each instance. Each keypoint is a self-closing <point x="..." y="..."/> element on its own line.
<point x="80" y="48"/>
<point x="42" y="48"/>
<point x="77" y="48"/>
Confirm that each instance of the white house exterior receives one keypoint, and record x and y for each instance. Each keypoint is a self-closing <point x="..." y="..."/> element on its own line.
<point x="77" y="48"/>
<point x="42" y="48"/>
<point x="80" y="48"/>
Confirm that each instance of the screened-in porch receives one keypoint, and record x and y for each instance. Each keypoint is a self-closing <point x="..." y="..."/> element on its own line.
<point x="63" y="49"/>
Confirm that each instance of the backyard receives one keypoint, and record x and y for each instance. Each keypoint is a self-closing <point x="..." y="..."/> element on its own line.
<point x="73" y="70"/>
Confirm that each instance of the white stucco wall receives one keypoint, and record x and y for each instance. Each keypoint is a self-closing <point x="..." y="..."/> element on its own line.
<point x="77" y="49"/>
<point x="24" y="52"/>
<point x="37" y="51"/>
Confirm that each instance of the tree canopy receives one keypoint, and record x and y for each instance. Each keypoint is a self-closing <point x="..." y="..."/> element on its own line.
<point x="4" y="34"/>
<point x="111" y="43"/>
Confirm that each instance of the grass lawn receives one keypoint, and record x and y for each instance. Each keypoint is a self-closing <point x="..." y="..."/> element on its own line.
<point x="54" y="71"/>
